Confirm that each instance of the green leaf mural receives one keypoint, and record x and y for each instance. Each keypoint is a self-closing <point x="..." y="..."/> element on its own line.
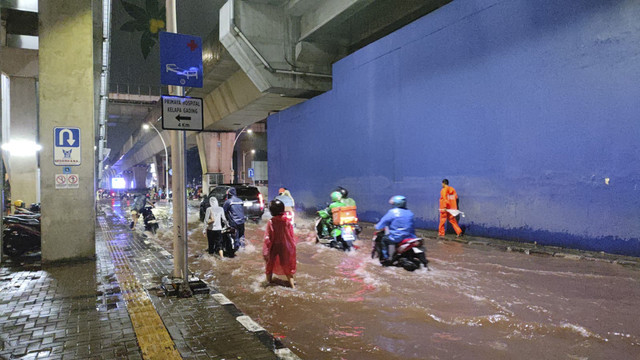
<point x="149" y="20"/>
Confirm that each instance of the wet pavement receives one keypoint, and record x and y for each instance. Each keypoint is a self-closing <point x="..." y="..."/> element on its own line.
<point x="112" y="308"/>
<point x="482" y="299"/>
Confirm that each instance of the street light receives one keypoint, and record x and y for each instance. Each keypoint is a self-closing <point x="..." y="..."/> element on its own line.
<point x="166" y="157"/>
<point x="244" y="170"/>
<point x="249" y="131"/>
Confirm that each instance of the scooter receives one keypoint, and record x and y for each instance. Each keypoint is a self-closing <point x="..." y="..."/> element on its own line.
<point x="21" y="234"/>
<point x="410" y="253"/>
<point x="150" y="221"/>
<point x="228" y="242"/>
<point x="335" y="236"/>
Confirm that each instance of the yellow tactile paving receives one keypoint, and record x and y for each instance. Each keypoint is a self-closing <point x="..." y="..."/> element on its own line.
<point x="153" y="337"/>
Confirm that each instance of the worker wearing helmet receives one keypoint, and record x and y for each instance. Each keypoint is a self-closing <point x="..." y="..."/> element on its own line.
<point x="399" y="220"/>
<point x="345" y="197"/>
<point x="336" y="200"/>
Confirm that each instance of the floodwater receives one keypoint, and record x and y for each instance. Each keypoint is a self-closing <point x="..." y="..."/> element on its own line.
<point x="475" y="303"/>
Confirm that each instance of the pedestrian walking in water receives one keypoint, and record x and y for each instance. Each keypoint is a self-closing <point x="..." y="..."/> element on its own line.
<point x="448" y="208"/>
<point x="279" y="248"/>
<point x="214" y="219"/>
<point x="234" y="211"/>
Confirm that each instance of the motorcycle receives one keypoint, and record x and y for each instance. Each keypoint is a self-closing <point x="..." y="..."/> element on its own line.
<point x="410" y="253"/>
<point x="335" y="236"/>
<point x="150" y="221"/>
<point x="21" y="234"/>
<point x="228" y="242"/>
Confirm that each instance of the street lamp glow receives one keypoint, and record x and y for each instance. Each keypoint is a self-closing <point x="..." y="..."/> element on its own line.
<point x="146" y="126"/>
<point x="22" y="148"/>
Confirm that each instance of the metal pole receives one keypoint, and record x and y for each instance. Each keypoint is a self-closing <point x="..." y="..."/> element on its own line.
<point x="233" y="148"/>
<point x="178" y="141"/>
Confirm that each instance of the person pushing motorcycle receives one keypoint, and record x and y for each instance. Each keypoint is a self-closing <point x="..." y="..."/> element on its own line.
<point x="400" y="222"/>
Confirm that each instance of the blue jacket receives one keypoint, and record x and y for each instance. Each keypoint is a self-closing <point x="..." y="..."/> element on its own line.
<point x="400" y="223"/>
<point x="234" y="208"/>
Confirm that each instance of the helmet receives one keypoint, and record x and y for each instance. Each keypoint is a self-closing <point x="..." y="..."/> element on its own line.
<point x="398" y="201"/>
<point x="18" y="203"/>
<point x="343" y="191"/>
<point x="336" y="196"/>
<point x="276" y="207"/>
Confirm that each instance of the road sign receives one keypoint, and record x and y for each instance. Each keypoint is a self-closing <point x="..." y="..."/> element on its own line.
<point x="180" y="60"/>
<point x="66" y="146"/>
<point x="250" y="172"/>
<point x="182" y="113"/>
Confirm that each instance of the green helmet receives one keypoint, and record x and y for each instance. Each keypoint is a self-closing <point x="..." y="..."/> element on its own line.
<point x="336" y="196"/>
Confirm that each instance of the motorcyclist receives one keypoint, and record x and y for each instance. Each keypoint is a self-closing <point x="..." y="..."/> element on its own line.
<point x="336" y="200"/>
<point x="234" y="212"/>
<point x="139" y="202"/>
<point x="345" y="197"/>
<point x="399" y="220"/>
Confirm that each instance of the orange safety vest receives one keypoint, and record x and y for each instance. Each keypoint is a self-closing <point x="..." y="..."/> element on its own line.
<point x="448" y="196"/>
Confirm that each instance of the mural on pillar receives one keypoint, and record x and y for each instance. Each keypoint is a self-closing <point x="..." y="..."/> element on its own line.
<point x="148" y="20"/>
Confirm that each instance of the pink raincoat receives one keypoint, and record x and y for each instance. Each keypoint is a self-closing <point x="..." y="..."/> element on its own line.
<point x="279" y="248"/>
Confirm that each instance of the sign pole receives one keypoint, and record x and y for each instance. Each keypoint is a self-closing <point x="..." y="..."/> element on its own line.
<point x="180" y="240"/>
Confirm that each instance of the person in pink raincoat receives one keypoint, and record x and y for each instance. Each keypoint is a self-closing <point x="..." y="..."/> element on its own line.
<point x="279" y="248"/>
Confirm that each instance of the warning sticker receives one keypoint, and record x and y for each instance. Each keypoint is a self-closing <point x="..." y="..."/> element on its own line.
<point x="67" y="181"/>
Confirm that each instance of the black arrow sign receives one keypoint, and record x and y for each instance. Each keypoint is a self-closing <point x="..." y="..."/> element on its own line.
<point x="183" y="117"/>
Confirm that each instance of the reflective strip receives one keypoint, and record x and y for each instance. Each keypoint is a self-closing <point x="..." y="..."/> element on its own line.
<point x="153" y="337"/>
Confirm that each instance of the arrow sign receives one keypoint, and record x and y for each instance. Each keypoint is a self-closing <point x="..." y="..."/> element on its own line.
<point x="70" y="139"/>
<point x="66" y="146"/>
<point x="67" y="137"/>
<point x="182" y="113"/>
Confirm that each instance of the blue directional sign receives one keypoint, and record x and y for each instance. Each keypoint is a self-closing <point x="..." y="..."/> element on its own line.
<point x="66" y="146"/>
<point x="250" y="171"/>
<point x="180" y="60"/>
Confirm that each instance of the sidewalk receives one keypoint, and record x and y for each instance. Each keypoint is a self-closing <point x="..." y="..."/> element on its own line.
<point x="113" y="309"/>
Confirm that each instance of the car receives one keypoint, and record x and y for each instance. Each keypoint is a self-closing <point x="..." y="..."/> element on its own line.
<point x="253" y="201"/>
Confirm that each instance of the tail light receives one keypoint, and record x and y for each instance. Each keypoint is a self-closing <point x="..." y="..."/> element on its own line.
<point x="261" y="201"/>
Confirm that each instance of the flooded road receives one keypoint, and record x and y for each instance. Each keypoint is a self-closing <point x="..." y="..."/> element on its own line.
<point x="475" y="303"/>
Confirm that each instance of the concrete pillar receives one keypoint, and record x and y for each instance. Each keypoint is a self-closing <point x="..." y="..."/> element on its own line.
<point x="23" y="168"/>
<point x="140" y="176"/>
<point x="67" y="100"/>
<point x="216" y="152"/>
<point x="128" y="178"/>
<point x="160" y="169"/>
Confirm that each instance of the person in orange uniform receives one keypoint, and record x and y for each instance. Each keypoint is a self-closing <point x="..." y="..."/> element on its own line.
<point x="448" y="201"/>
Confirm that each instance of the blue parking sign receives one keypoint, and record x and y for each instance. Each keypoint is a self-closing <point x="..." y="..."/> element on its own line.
<point x="180" y="60"/>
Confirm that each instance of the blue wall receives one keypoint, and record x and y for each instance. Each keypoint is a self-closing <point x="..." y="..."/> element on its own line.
<point x="525" y="106"/>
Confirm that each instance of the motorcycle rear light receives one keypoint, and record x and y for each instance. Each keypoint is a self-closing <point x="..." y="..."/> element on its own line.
<point x="261" y="201"/>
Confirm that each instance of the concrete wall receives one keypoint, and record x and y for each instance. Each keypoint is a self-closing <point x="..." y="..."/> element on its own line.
<point x="23" y="169"/>
<point x="527" y="107"/>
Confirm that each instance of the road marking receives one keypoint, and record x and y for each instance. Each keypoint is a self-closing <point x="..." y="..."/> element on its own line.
<point x="249" y="324"/>
<point x="221" y="299"/>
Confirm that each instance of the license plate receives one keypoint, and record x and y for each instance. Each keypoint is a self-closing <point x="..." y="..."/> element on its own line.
<point x="417" y="251"/>
<point x="347" y="234"/>
<point x="248" y="203"/>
